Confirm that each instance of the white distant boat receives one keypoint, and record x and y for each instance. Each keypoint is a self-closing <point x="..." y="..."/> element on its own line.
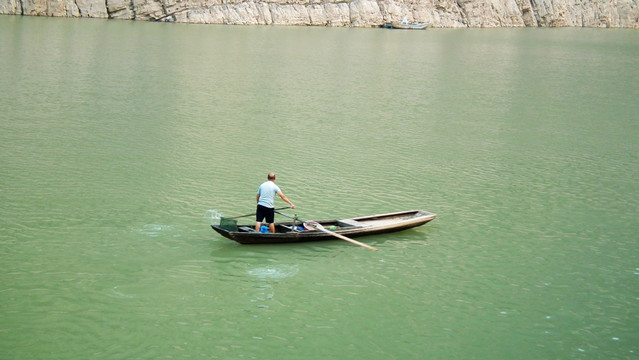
<point x="408" y="26"/>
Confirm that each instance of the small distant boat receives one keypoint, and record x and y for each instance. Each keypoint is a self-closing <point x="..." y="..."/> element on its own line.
<point x="407" y="26"/>
<point x="298" y="231"/>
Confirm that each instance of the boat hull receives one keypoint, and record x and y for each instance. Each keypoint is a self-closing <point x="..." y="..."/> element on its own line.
<point x="407" y="26"/>
<point x="352" y="227"/>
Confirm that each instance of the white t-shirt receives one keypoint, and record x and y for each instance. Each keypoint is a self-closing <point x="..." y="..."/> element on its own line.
<point x="267" y="192"/>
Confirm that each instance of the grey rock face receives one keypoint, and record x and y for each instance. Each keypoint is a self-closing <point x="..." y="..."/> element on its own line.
<point x="356" y="13"/>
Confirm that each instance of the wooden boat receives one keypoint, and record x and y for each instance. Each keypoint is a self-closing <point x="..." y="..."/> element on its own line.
<point x="296" y="231"/>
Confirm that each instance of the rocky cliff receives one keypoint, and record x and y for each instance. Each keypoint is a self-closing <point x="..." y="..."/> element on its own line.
<point x="357" y="13"/>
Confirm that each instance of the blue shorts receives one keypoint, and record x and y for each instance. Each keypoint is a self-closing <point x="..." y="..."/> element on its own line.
<point x="265" y="212"/>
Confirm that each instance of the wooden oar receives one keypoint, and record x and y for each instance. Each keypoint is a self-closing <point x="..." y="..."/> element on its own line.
<point x="240" y="216"/>
<point x="319" y="227"/>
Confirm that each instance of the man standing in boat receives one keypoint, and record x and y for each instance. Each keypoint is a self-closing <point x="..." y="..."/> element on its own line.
<point x="265" y="198"/>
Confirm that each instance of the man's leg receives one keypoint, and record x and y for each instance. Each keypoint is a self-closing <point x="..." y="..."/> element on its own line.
<point x="259" y="216"/>
<point x="270" y="219"/>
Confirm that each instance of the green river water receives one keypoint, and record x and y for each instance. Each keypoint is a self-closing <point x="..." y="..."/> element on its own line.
<point x="120" y="142"/>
